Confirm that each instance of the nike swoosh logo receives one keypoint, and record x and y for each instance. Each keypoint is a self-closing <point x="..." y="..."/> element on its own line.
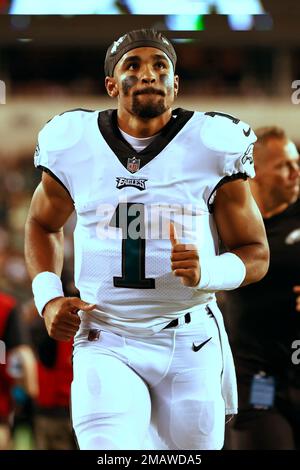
<point x="197" y="348"/>
<point x="247" y="133"/>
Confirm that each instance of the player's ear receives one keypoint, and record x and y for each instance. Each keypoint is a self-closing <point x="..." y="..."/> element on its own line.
<point x="111" y="87"/>
<point x="176" y="85"/>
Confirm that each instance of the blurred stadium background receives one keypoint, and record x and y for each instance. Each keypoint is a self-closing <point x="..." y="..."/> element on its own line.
<point x="244" y="61"/>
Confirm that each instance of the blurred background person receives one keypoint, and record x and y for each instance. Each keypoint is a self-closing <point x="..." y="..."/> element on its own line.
<point x="20" y="368"/>
<point x="52" y="425"/>
<point x="262" y="319"/>
<point x="51" y="417"/>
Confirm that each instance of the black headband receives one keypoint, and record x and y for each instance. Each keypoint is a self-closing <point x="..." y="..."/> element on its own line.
<point x="134" y="39"/>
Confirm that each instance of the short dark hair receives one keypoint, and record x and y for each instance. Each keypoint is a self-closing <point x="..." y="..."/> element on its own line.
<point x="266" y="133"/>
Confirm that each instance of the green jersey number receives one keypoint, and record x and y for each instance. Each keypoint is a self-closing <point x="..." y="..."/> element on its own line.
<point x="130" y="217"/>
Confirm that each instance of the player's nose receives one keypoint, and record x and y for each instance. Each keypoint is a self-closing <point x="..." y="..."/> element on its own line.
<point x="148" y="74"/>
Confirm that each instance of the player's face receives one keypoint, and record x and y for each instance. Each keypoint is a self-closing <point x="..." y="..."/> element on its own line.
<point x="280" y="173"/>
<point x="145" y="82"/>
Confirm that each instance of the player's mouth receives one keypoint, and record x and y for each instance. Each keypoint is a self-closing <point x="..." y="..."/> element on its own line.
<point x="149" y="91"/>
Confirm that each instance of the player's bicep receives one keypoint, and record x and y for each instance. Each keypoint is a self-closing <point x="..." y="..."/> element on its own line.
<point x="238" y="219"/>
<point x="51" y="205"/>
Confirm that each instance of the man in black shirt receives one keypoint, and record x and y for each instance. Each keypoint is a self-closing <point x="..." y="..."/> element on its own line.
<point x="262" y="319"/>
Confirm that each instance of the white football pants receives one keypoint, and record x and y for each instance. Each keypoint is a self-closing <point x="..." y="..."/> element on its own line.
<point x="120" y="383"/>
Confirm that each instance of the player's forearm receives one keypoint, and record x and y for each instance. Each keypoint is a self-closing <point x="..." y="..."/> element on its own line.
<point x="256" y="259"/>
<point x="44" y="250"/>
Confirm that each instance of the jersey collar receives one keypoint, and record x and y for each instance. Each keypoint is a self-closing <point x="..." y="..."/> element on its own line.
<point x="108" y="126"/>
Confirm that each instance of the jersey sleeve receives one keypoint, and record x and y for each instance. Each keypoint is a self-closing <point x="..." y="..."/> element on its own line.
<point x="230" y="144"/>
<point x="54" y="153"/>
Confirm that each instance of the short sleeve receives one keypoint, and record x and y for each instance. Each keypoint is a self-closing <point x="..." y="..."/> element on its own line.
<point x="55" y="148"/>
<point x="231" y="143"/>
<point x="240" y="163"/>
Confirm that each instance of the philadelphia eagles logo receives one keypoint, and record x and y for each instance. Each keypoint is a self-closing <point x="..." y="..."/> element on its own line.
<point x="248" y="155"/>
<point x="138" y="183"/>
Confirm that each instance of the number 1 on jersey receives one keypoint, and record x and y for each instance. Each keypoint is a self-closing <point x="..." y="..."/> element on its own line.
<point x="130" y="217"/>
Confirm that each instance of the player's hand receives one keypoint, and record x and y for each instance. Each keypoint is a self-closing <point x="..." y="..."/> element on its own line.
<point x="297" y="291"/>
<point x="184" y="260"/>
<point x="61" y="318"/>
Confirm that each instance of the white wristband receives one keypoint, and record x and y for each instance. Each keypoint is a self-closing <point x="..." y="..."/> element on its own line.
<point x="224" y="272"/>
<point x="45" y="287"/>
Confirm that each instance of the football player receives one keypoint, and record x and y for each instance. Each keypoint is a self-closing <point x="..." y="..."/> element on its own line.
<point x="154" y="189"/>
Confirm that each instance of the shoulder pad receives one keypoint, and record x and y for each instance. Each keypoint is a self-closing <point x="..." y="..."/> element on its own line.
<point x="224" y="133"/>
<point x="63" y="131"/>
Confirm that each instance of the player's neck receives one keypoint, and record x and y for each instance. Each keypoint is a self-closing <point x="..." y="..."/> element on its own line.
<point x="138" y="127"/>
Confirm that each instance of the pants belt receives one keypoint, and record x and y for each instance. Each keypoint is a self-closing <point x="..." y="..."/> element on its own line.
<point x="174" y="323"/>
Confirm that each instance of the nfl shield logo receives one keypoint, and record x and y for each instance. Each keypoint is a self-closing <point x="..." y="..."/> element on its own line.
<point x="133" y="164"/>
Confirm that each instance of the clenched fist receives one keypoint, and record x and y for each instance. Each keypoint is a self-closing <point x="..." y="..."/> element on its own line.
<point x="184" y="260"/>
<point x="61" y="318"/>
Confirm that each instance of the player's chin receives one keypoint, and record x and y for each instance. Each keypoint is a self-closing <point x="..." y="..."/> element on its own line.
<point x="150" y="106"/>
<point x="149" y="112"/>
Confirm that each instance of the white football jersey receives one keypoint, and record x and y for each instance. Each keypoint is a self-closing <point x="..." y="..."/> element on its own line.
<point x="125" y="200"/>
